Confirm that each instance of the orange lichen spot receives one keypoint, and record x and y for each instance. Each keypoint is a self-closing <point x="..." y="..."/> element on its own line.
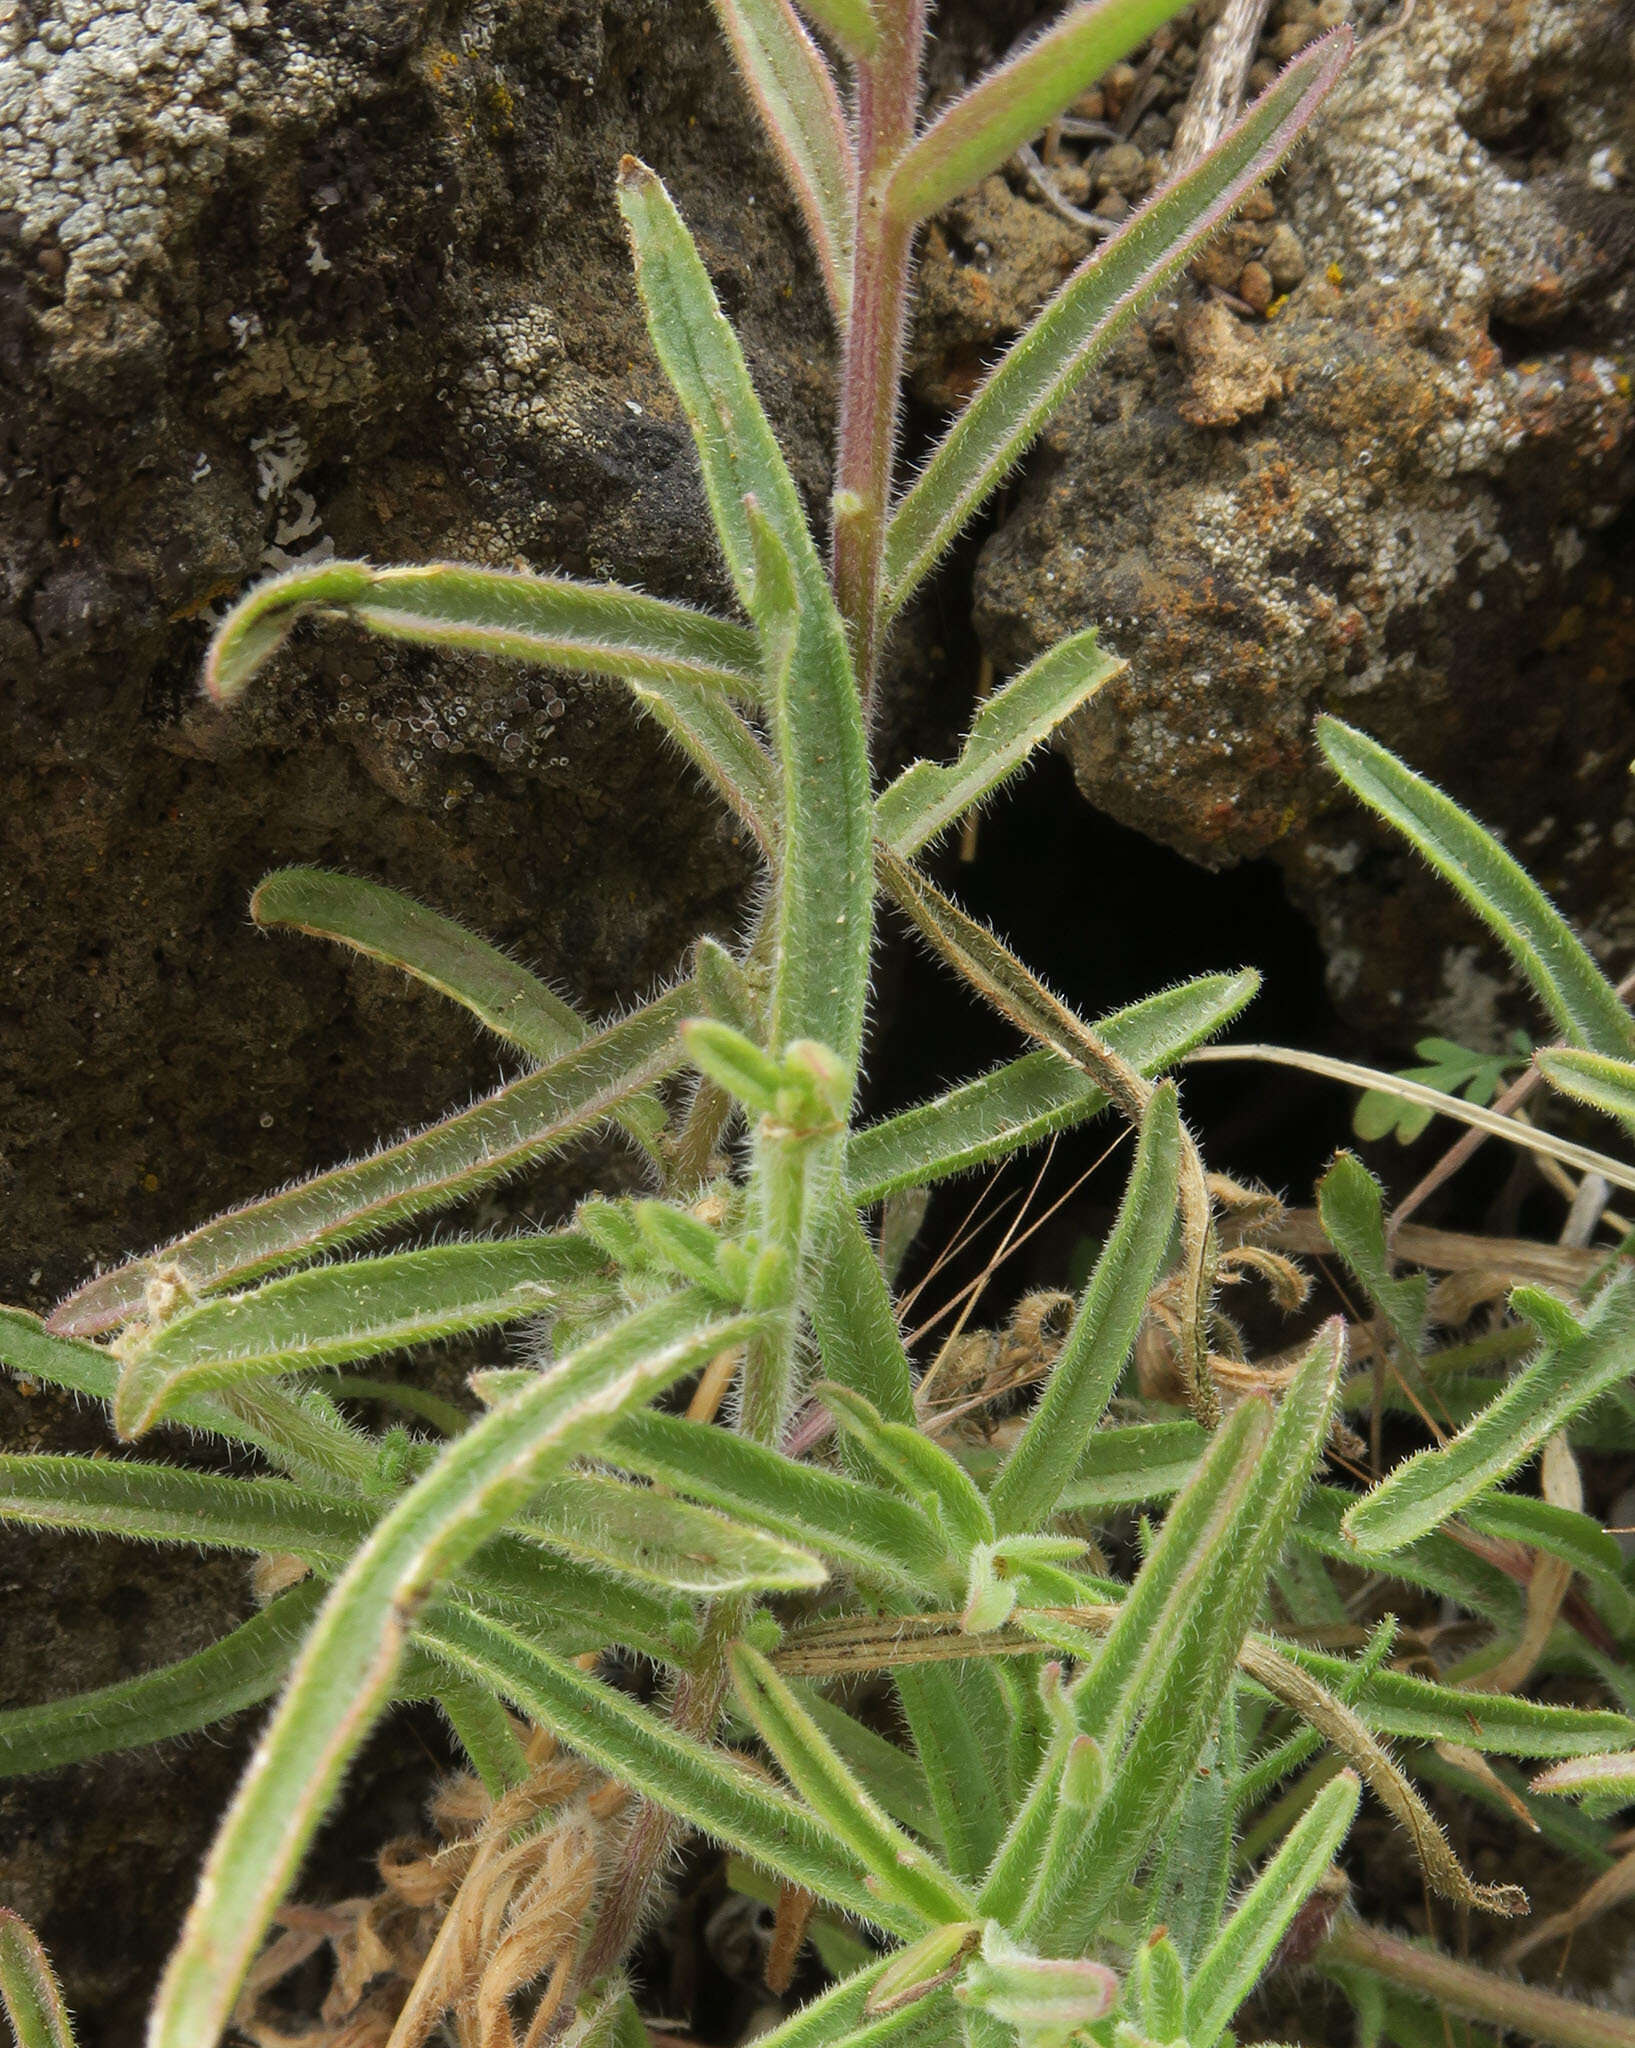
<point x="150" y="1181"/>
<point x="1335" y="275"/>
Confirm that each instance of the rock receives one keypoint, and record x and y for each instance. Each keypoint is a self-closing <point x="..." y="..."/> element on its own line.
<point x="1255" y="287"/>
<point x="1284" y="257"/>
<point x="1229" y="377"/>
<point x="1120" y="168"/>
<point x="280" y="278"/>
<point x="1426" y="533"/>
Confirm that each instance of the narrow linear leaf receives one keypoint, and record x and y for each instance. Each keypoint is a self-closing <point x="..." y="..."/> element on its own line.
<point x="345" y="1671"/>
<point x="330" y="1314"/>
<point x="698" y="1782"/>
<point x="1437" y="1561"/>
<point x="480" y="1146"/>
<point x="795" y="96"/>
<point x="893" y="1777"/>
<point x="823" y="921"/>
<point x="884" y="1539"/>
<point x="722" y="747"/>
<point x="858" y="1336"/>
<point x="927" y="798"/>
<point x="1576" y="1362"/>
<point x="852" y="23"/>
<point x="901" y="1869"/>
<point x="29" y="1989"/>
<point x="1127" y="1466"/>
<point x="585" y="628"/>
<point x="388" y="926"/>
<point x="950" y="1714"/>
<point x="1592" y="1078"/>
<point x="1023" y="1103"/>
<point x="672" y="1543"/>
<point x="1419" y="1710"/>
<point x="1016" y="101"/>
<point x="737" y="449"/>
<point x="1353" y="1218"/>
<point x="1232" y="1965"/>
<point x="244" y="1668"/>
<point x="1180" y="1698"/>
<point x="1577" y="1539"/>
<point x="1089" y="315"/>
<point x="1604" y="1779"/>
<point x="167" y="1504"/>
<point x="1096" y="1348"/>
<point x="1509" y="902"/>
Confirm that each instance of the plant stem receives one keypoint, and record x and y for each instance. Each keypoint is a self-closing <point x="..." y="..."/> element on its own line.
<point x="888" y="93"/>
<point x="1475" y="1994"/>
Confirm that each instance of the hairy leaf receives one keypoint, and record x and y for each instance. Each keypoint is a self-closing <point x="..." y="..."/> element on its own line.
<point x="1576" y="1362"/>
<point x="1501" y="892"/>
<point x="794" y="94"/>
<point x="698" y="1782"/>
<point x="1092" y="311"/>
<point x="927" y="798"/>
<point x="1232" y="1965"/>
<point x="1023" y="1103"/>
<point x="480" y="1146"/>
<point x="1093" y="1354"/>
<point x="345" y="1670"/>
<point x="902" y="1871"/>
<point x="242" y="1669"/>
<point x="1016" y="100"/>
<point x="590" y="629"/>
<point x="29" y="1989"/>
<point x="636" y="1530"/>
<point x="1132" y="1464"/>
<point x="330" y="1314"/>
<point x="1590" y="1077"/>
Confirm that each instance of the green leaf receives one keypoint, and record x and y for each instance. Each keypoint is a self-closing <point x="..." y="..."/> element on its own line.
<point x="1096" y="1348"/>
<point x="1419" y="1710"/>
<point x="794" y="94"/>
<point x="1561" y="1532"/>
<point x="1501" y="892"/>
<point x="1605" y="1781"/>
<point x="1436" y="1561"/>
<point x="386" y="925"/>
<point x="824" y="913"/>
<point x="852" y="23"/>
<point x="29" y="1989"/>
<point x="1592" y="1078"/>
<point x="1576" y="1362"/>
<point x="701" y="357"/>
<point x="902" y="1871"/>
<point x="1095" y="308"/>
<point x="697" y="1781"/>
<point x="672" y="1543"/>
<point x="1128" y="1466"/>
<point x="920" y="1468"/>
<point x="1016" y="101"/>
<point x="959" y="1738"/>
<point x="239" y="1671"/>
<point x="330" y="1314"/>
<point x="345" y="1670"/>
<point x="1235" y="1960"/>
<point x="892" y="1777"/>
<point x="1023" y="1103"/>
<point x="585" y="628"/>
<point x="480" y="1146"/>
<point x="927" y="798"/>
<point x="1176" y="1682"/>
<point x="856" y="1325"/>
<point x="884" y="1539"/>
<point x="168" y="1504"/>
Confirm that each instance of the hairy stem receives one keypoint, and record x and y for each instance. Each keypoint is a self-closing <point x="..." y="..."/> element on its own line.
<point x="888" y="92"/>
<point x="1461" y="1988"/>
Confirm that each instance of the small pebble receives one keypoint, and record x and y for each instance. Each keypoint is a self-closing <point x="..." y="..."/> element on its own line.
<point x="1261" y="75"/>
<point x="1121" y="168"/>
<point x="1072" y="181"/>
<point x="1255" y="287"/>
<point x="1284" y="258"/>
<point x="1117" y="85"/>
<point x="1112" y="206"/>
<point x="1260" y="205"/>
<point x="1091" y="105"/>
<point x="1291" y="39"/>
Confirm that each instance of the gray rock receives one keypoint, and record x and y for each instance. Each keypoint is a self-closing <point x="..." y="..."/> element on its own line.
<point x="1422" y="534"/>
